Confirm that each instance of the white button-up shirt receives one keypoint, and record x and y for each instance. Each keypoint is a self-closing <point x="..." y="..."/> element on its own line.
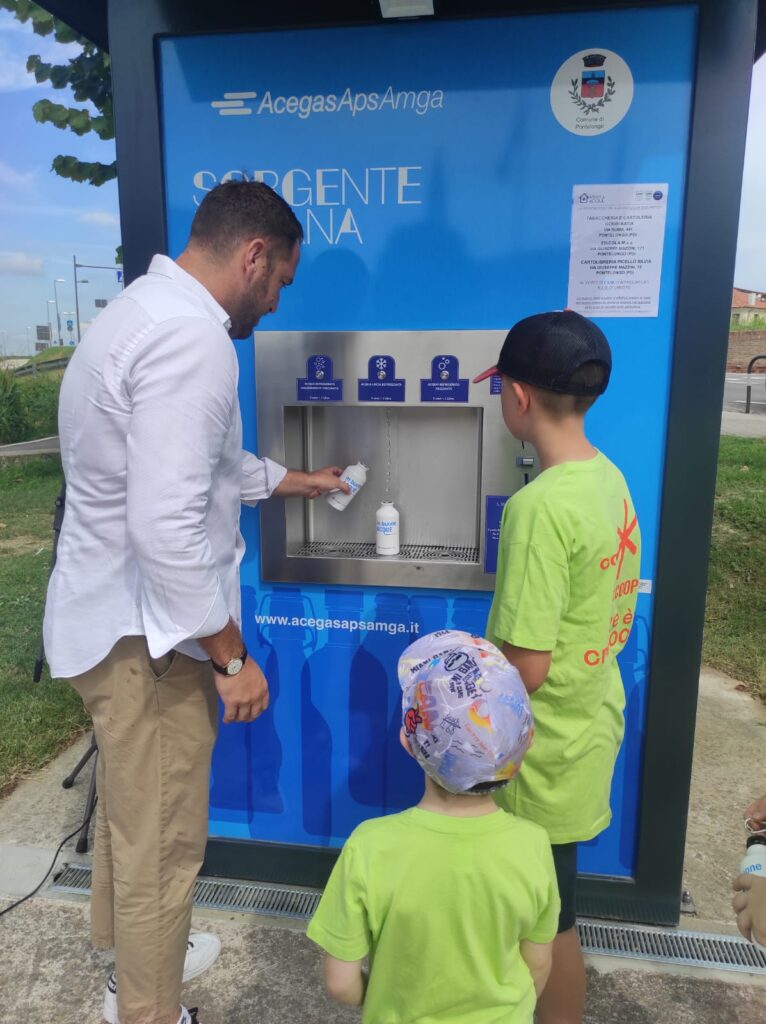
<point x="151" y="443"/>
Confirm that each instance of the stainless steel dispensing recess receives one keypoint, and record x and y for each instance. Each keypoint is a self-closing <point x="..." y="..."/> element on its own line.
<point x="435" y="444"/>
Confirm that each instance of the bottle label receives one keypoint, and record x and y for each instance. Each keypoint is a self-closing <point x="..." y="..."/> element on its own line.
<point x="755" y="869"/>
<point x="353" y="484"/>
<point x="386" y="528"/>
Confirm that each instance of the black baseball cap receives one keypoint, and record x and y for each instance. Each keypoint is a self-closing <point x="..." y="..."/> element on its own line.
<point x="546" y="349"/>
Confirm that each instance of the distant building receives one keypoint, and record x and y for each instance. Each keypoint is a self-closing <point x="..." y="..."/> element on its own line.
<point x="747" y="306"/>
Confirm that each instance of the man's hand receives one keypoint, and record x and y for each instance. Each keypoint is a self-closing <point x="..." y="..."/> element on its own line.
<point x="757" y="811"/>
<point x="245" y="696"/>
<point x="296" y="484"/>
<point x="750" y="906"/>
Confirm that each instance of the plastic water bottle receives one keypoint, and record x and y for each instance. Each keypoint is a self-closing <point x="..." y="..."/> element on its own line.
<point x="387" y="529"/>
<point x="356" y="477"/>
<point x="754" y="863"/>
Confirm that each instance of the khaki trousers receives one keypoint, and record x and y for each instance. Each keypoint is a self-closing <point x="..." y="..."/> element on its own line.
<point x="155" y="723"/>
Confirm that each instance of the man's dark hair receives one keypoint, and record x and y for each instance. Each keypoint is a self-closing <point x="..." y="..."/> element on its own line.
<point x="237" y="210"/>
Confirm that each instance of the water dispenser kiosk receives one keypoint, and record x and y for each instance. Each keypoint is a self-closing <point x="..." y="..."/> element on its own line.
<point x="452" y="174"/>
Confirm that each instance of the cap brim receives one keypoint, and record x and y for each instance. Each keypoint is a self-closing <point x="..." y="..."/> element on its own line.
<point x="491" y="372"/>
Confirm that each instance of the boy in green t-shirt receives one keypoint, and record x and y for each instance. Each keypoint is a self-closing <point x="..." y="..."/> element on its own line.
<point x="454" y="901"/>
<point x="565" y="596"/>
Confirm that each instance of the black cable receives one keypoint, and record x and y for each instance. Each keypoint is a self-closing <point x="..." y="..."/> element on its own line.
<point x="66" y="839"/>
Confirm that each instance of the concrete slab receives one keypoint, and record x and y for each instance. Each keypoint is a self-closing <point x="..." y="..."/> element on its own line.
<point x="729" y="772"/>
<point x="741" y="424"/>
<point x="39" y="812"/>
<point x="272" y="974"/>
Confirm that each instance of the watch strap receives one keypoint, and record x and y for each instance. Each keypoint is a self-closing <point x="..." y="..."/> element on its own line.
<point x="223" y="669"/>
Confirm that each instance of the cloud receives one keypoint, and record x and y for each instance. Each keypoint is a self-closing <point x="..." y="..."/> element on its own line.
<point x="17" y="41"/>
<point x="11" y="177"/>
<point x="103" y="218"/>
<point x="20" y="264"/>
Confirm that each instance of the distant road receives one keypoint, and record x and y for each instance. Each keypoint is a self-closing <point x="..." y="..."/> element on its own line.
<point x="42" y="446"/>
<point x="734" y="392"/>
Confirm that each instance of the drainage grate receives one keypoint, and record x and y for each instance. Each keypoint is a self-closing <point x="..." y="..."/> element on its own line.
<point x="407" y="553"/>
<point x="693" y="949"/>
<point x="220" y="894"/>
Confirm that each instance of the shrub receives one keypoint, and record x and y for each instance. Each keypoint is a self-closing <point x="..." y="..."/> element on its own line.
<point x="13" y="422"/>
<point x="40" y="401"/>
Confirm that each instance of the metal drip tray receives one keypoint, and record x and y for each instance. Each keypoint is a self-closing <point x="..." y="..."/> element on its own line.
<point x="408" y="552"/>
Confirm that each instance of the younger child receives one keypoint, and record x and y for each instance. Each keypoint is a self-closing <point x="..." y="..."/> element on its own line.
<point x="453" y="901"/>
<point x="565" y="596"/>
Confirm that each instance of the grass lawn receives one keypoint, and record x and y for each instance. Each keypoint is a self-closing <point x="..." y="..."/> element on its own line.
<point x="38" y="719"/>
<point x="735" y="619"/>
<point x="54" y="352"/>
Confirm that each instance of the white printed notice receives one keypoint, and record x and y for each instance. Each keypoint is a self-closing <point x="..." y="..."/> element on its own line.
<point x="615" y="256"/>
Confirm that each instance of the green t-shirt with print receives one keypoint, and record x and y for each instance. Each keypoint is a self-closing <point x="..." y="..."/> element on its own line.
<point x="567" y="581"/>
<point x="440" y="905"/>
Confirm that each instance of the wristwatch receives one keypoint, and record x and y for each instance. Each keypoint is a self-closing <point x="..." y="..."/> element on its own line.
<point x="232" y="667"/>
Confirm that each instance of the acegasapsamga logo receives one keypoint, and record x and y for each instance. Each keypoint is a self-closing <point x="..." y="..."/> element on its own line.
<point x="591" y="92"/>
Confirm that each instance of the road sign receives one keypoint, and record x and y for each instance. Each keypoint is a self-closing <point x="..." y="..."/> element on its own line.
<point x="70" y="325"/>
<point x="119" y="276"/>
<point x="100" y="303"/>
<point x="43" y="332"/>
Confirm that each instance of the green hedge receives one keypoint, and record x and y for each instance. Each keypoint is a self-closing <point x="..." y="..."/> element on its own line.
<point x="28" y="406"/>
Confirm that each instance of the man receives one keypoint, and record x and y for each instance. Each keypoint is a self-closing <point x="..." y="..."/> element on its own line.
<point x="143" y="613"/>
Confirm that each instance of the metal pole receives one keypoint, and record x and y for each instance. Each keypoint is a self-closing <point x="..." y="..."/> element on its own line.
<point x="76" y="299"/>
<point x="747" y="397"/>
<point x="58" y="315"/>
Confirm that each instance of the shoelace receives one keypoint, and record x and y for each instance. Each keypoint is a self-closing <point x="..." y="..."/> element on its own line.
<point x="750" y="824"/>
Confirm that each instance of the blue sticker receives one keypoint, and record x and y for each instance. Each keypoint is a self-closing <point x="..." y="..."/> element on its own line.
<point x="381" y="383"/>
<point x="492" y="520"/>
<point x="318" y="385"/>
<point x="445" y="383"/>
<point x="495" y="384"/>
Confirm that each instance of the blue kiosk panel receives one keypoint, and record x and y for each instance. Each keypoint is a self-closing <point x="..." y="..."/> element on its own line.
<point x="435" y="187"/>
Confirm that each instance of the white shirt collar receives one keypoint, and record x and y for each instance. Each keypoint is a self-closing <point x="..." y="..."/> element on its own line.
<point x="164" y="266"/>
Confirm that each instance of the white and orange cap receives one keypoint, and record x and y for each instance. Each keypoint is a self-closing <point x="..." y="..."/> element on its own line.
<point x="465" y="710"/>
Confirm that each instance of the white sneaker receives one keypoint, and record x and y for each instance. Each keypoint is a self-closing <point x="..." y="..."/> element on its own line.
<point x="202" y="952"/>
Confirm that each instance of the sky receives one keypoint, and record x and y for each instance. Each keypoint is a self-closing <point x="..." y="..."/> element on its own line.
<point x="45" y="220"/>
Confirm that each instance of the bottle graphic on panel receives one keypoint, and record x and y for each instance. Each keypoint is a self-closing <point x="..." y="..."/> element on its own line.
<point x="404" y="782"/>
<point x="275" y="784"/>
<point x="375" y="696"/>
<point x="231" y="794"/>
<point x="330" y="812"/>
<point x="470" y="614"/>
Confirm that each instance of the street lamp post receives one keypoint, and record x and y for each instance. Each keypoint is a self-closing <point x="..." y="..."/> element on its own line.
<point x="50" y="323"/>
<point x="58" y="280"/>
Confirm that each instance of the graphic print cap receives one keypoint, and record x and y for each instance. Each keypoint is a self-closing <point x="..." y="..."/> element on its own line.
<point x="465" y="710"/>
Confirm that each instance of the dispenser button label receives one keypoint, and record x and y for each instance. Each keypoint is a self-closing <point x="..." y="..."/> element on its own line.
<point x="492" y="520"/>
<point x="381" y="383"/>
<point x="495" y="384"/>
<point x="319" y="384"/>
<point x="445" y="383"/>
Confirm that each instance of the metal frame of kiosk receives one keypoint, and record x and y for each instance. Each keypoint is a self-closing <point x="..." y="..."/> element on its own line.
<point x="723" y="70"/>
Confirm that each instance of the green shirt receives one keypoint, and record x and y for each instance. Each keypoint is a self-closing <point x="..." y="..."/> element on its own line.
<point x="567" y="580"/>
<point x="441" y="904"/>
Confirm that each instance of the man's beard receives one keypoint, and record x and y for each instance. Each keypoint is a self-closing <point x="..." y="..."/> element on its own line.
<point x="253" y="306"/>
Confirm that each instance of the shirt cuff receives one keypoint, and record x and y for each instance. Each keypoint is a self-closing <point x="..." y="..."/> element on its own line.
<point x="260" y="478"/>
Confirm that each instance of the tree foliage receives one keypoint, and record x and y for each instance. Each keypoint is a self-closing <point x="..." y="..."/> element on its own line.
<point x="88" y="75"/>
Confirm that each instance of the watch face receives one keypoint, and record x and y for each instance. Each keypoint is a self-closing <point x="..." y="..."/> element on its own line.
<point x="234" y="667"/>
